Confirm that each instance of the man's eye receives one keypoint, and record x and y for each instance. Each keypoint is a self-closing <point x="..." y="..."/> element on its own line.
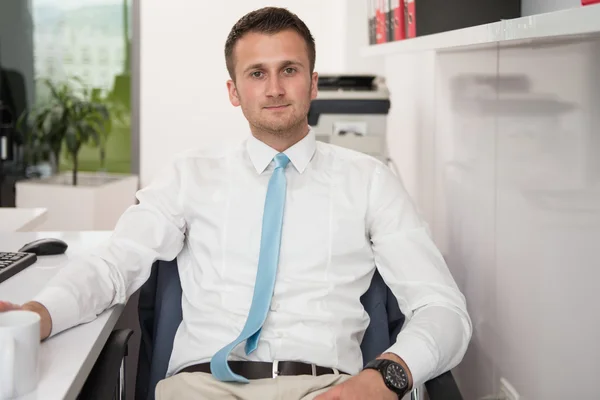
<point x="257" y="74"/>
<point x="289" y="71"/>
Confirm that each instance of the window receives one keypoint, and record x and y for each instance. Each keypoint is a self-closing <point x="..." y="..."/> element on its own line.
<point x="103" y="56"/>
<point x="68" y="57"/>
<point x="65" y="39"/>
<point x="50" y="68"/>
<point x="86" y="56"/>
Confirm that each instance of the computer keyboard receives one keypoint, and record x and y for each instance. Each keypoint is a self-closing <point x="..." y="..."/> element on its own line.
<point x="12" y="263"/>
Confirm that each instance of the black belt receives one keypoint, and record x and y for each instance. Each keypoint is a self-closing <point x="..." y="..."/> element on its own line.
<point x="263" y="370"/>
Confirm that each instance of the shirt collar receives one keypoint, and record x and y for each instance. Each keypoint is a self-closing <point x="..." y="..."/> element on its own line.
<point x="299" y="154"/>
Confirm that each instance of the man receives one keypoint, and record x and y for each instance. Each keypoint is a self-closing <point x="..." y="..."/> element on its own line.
<point x="276" y="240"/>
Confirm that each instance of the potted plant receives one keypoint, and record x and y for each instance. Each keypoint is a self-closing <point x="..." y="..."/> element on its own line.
<point x="67" y="121"/>
<point x="73" y="116"/>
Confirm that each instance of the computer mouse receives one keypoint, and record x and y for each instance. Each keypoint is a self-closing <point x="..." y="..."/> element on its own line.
<point x="45" y="247"/>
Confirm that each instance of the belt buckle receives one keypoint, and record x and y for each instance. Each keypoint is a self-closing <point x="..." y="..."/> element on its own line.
<point x="275" y="369"/>
<point x="314" y="369"/>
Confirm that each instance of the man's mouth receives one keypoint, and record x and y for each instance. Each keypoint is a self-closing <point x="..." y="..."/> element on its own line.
<point x="277" y="107"/>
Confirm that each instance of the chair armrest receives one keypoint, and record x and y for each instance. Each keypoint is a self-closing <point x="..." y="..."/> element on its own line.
<point x="443" y="388"/>
<point x="104" y="376"/>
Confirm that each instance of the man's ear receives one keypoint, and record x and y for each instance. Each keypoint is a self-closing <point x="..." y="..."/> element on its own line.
<point x="314" y="86"/>
<point x="233" y="94"/>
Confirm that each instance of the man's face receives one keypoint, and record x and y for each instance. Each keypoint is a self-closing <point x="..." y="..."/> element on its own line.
<point x="273" y="83"/>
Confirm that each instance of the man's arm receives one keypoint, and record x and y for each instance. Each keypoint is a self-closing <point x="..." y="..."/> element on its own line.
<point x="438" y="327"/>
<point x="151" y="230"/>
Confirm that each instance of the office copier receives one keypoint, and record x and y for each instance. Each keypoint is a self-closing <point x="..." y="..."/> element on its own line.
<point x="351" y="111"/>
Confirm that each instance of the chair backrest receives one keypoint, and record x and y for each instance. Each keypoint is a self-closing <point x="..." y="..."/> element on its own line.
<point x="160" y="315"/>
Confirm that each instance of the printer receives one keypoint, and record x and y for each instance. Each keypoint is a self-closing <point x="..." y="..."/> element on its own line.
<point x="351" y="111"/>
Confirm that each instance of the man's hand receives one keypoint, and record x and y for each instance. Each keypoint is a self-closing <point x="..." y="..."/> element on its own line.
<point x="366" y="385"/>
<point x="45" y="322"/>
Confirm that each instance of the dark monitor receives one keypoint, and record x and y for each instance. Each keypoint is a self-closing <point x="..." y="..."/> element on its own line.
<point x="13" y="104"/>
<point x="8" y="117"/>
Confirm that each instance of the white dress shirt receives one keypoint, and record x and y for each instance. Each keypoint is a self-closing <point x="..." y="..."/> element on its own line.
<point x="345" y="215"/>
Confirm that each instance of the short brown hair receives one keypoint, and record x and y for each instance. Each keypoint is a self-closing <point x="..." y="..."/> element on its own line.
<point x="268" y="20"/>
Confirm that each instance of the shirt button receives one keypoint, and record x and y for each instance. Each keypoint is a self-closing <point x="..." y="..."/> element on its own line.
<point x="274" y="306"/>
<point x="280" y="334"/>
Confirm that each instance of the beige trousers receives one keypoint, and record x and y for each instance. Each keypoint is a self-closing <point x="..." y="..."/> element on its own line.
<point x="199" y="385"/>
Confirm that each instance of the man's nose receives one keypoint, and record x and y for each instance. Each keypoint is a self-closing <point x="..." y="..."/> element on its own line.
<point x="274" y="87"/>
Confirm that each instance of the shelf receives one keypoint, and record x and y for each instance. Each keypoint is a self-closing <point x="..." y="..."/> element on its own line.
<point x="576" y="21"/>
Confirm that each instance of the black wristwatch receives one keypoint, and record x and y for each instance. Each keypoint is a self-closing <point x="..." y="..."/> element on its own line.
<point x="394" y="375"/>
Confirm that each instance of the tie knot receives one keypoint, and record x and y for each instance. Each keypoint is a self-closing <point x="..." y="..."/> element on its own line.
<point x="281" y="160"/>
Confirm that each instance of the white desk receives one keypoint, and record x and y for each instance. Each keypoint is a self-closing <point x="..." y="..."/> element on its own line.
<point x="21" y="219"/>
<point x="67" y="358"/>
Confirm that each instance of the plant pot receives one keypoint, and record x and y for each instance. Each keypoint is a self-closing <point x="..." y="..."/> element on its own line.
<point x="96" y="203"/>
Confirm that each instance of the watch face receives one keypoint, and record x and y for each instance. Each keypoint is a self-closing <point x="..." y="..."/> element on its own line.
<point x="396" y="376"/>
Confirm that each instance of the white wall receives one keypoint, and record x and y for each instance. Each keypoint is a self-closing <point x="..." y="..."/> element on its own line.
<point x="500" y="149"/>
<point x="548" y="219"/>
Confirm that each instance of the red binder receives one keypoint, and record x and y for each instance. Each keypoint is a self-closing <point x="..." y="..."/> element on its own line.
<point x="399" y="22"/>
<point x="588" y="2"/>
<point x="411" y="18"/>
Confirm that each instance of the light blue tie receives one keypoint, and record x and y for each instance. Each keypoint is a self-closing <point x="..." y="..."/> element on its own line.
<point x="265" y="276"/>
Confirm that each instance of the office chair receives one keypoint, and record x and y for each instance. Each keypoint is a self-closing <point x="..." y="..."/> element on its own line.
<point x="107" y="379"/>
<point x="160" y="314"/>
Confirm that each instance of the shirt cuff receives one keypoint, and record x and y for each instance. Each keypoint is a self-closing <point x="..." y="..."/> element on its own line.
<point x="62" y="307"/>
<point x="417" y="355"/>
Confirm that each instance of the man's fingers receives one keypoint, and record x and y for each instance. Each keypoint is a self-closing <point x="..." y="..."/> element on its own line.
<point x="6" y="306"/>
<point x="328" y="395"/>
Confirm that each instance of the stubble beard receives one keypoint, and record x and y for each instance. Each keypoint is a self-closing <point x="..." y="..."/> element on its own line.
<point x="285" y="130"/>
<point x="281" y="130"/>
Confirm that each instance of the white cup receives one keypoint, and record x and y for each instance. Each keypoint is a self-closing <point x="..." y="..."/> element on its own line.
<point x="19" y="352"/>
